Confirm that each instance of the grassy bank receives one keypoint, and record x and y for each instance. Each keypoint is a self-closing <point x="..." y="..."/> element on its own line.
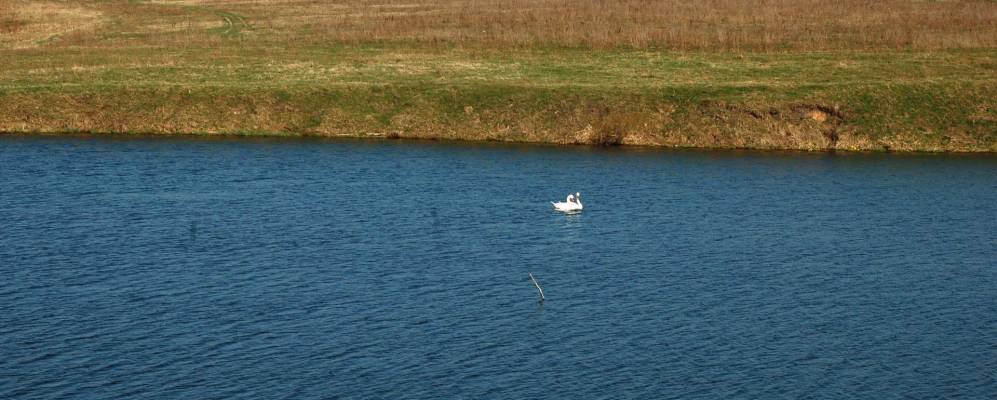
<point x="363" y="69"/>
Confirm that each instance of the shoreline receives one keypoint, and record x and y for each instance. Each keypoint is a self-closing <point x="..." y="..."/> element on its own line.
<point x="942" y="101"/>
<point x="572" y="116"/>
<point x="873" y="83"/>
<point x="895" y="118"/>
<point x="376" y="138"/>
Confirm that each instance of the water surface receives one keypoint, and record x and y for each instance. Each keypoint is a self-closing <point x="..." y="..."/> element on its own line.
<point x="307" y="269"/>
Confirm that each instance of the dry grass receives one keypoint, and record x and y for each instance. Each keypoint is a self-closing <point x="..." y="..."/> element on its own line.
<point x="26" y="24"/>
<point x="9" y="21"/>
<point x="907" y="74"/>
<point x="668" y="24"/>
<point x="738" y="25"/>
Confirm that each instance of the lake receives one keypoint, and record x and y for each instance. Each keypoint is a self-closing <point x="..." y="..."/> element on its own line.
<point x="179" y="268"/>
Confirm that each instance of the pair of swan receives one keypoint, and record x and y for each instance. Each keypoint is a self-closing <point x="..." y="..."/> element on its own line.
<point x="572" y="203"/>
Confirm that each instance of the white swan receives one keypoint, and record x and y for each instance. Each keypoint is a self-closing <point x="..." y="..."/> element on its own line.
<point x="572" y="204"/>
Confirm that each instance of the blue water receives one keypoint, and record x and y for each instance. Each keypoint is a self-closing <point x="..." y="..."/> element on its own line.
<point x="307" y="269"/>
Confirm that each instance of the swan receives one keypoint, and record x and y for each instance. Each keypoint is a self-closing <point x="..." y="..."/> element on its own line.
<point x="572" y="204"/>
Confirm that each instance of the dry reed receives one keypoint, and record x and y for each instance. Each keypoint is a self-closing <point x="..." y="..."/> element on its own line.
<point x="641" y="24"/>
<point x="737" y="25"/>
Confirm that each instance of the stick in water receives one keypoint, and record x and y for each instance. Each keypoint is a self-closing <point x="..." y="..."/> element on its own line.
<point x="538" y="287"/>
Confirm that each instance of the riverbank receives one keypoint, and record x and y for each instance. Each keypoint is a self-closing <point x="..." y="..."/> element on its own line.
<point x="235" y="79"/>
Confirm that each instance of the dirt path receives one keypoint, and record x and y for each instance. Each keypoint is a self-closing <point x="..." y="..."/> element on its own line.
<point x="234" y="23"/>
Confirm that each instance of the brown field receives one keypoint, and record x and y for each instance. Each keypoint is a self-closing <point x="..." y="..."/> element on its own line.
<point x="31" y="24"/>
<point x="742" y="25"/>
<point x="641" y="24"/>
<point x="800" y="74"/>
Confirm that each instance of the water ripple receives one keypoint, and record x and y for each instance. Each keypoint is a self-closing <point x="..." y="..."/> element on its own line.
<point x="171" y="268"/>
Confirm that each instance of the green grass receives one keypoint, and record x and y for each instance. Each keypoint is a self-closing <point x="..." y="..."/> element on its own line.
<point x="913" y="100"/>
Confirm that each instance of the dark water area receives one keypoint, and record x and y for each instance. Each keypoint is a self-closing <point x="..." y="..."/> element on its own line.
<point x="309" y="269"/>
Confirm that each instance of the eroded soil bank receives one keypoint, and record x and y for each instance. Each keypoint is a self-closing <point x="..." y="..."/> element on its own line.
<point x="898" y="118"/>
